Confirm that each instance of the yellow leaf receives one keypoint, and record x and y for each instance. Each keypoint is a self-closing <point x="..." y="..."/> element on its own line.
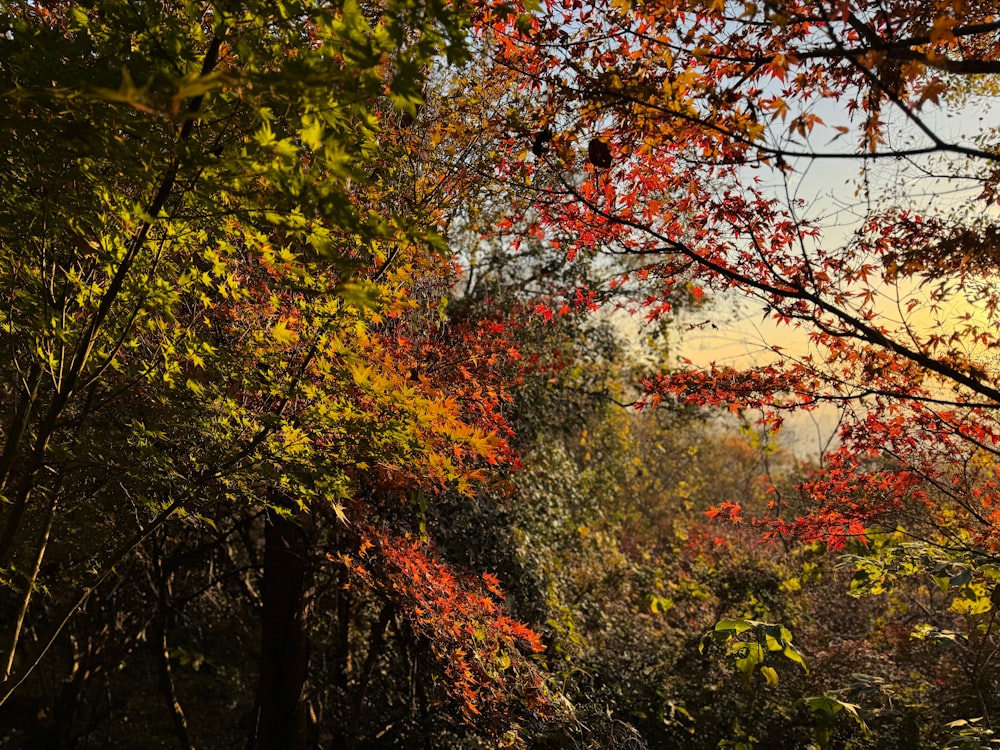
<point x="283" y="335"/>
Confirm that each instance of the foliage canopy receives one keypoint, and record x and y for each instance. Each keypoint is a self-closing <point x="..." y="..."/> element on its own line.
<point x="301" y="318"/>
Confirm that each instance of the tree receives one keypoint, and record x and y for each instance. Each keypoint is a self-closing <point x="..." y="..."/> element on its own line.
<point x="714" y="114"/>
<point x="224" y="317"/>
<point x="704" y="105"/>
<point x="703" y="100"/>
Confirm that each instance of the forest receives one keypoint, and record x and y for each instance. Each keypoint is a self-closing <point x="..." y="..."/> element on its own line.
<point x="356" y="389"/>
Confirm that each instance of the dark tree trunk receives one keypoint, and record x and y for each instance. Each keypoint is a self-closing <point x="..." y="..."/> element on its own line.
<point x="284" y="656"/>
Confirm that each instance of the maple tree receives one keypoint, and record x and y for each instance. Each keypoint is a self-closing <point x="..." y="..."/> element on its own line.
<point x="226" y="298"/>
<point x="684" y="135"/>
<point x="712" y="110"/>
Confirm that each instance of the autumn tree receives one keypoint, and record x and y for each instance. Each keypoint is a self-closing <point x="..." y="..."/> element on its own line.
<point x="704" y="104"/>
<point x="684" y="135"/>
<point x="224" y="311"/>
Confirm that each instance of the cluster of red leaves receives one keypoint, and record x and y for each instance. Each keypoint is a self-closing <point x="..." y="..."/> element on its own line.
<point x="472" y="362"/>
<point x="760" y="387"/>
<point x="848" y="497"/>
<point x="902" y="457"/>
<point x="484" y="653"/>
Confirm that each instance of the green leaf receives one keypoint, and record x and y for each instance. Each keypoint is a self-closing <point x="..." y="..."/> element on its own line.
<point x="827" y="706"/>
<point x="748" y="657"/>
<point x="361" y="294"/>
<point x="312" y="133"/>
<point x="791" y="653"/>
<point x="733" y="625"/>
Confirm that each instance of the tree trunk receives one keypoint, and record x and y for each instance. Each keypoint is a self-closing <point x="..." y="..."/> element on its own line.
<point x="284" y="656"/>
